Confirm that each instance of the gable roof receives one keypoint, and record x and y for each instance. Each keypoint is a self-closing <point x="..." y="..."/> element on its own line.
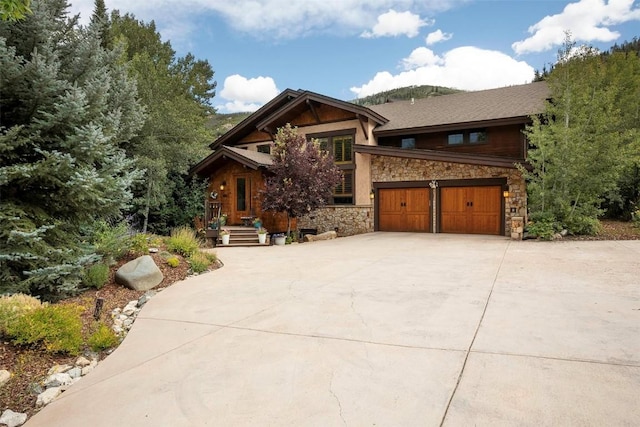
<point x="250" y="159"/>
<point x="279" y="111"/>
<point x="306" y="100"/>
<point x="462" y="108"/>
<point x="248" y="125"/>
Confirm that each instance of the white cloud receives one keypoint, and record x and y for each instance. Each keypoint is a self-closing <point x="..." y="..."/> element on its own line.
<point x="437" y="36"/>
<point x="586" y="19"/>
<point x="245" y="94"/>
<point x="421" y="57"/>
<point x="393" y="24"/>
<point x="270" y="18"/>
<point x="467" y="67"/>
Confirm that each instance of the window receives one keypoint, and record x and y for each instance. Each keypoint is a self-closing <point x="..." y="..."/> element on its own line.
<point x="470" y="137"/>
<point x="477" y="137"/>
<point x="342" y="152"/>
<point x="340" y="146"/>
<point x="264" y="148"/>
<point x="455" y="139"/>
<point x="408" y="143"/>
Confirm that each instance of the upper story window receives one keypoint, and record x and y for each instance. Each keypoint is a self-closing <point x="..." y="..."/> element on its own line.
<point x="264" y="148"/>
<point x="467" y="137"/>
<point x="408" y="143"/>
<point x="340" y="146"/>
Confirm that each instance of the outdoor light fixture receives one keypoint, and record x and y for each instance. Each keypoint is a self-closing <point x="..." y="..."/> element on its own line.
<point x="223" y="185"/>
<point x="372" y="194"/>
<point x="505" y="193"/>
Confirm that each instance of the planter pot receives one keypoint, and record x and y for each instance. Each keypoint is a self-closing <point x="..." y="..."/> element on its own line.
<point x="225" y="239"/>
<point x="279" y="241"/>
<point x="262" y="238"/>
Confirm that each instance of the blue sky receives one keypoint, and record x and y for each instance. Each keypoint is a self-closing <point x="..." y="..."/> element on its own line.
<point x="352" y="48"/>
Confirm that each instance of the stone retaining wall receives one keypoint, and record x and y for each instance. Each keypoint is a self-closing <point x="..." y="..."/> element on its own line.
<point x="345" y="220"/>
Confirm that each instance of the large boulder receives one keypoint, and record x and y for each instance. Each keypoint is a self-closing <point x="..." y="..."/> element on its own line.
<point x="323" y="236"/>
<point x="141" y="274"/>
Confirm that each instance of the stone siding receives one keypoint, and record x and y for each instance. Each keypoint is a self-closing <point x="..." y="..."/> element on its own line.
<point x="345" y="220"/>
<point x="390" y="169"/>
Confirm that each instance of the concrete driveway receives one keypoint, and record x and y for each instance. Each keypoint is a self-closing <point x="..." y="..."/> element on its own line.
<point x="384" y="329"/>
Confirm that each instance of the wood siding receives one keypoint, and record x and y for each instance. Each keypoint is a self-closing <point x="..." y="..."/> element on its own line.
<point x="503" y="141"/>
<point x="232" y="173"/>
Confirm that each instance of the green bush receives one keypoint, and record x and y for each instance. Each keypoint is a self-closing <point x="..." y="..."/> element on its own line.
<point x="543" y="225"/>
<point x="139" y="244"/>
<point x="58" y="328"/>
<point x="580" y="224"/>
<point x="635" y="217"/>
<point x="112" y="242"/>
<point x="96" y="276"/>
<point x="201" y="261"/>
<point x="102" y="338"/>
<point x="173" y="261"/>
<point x="13" y="307"/>
<point x="183" y="241"/>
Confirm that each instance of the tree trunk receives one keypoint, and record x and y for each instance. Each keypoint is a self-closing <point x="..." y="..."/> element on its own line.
<point x="146" y="209"/>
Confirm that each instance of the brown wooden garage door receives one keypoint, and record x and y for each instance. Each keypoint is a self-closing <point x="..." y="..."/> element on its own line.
<point x="471" y="210"/>
<point x="403" y="209"/>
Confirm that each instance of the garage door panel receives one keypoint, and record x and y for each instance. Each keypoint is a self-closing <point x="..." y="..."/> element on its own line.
<point x="472" y="210"/>
<point x="404" y="209"/>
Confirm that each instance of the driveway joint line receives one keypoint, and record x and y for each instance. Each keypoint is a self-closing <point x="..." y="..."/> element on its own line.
<point x="475" y="334"/>
<point x="559" y="359"/>
<point x="295" y="334"/>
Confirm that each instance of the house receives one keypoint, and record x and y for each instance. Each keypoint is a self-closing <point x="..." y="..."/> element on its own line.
<point x="444" y="164"/>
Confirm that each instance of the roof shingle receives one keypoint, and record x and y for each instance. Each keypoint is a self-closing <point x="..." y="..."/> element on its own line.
<point x="464" y="107"/>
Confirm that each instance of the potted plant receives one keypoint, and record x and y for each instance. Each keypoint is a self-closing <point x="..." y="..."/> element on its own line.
<point x="225" y="236"/>
<point x="279" y="239"/>
<point x="257" y="223"/>
<point x="262" y="235"/>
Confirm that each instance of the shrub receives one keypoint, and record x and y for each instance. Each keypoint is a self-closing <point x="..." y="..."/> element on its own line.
<point x="635" y="217"/>
<point x="543" y="225"/>
<point x="183" y="241"/>
<point x="96" y="275"/>
<point x="139" y="244"/>
<point x="581" y="224"/>
<point x="102" y="338"/>
<point x="173" y="261"/>
<point x="112" y="242"/>
<point x="13" y="307"/>
<point x="201" y="261"/>
<point x="56" y="327"/>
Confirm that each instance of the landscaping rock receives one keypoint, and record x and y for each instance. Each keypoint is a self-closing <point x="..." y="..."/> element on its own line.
<point x="57" y="380"/>
<point x="4" y="376"/>
<point x="12" y="419"/>
<point x="130" y="308"/>
<point x="48" y="395"/>
<point x="146" y="297"/>
<point x="57" y="369"/>
<point x="322" y="236"/>
<point x="82" y="362"/>
<point x="141" y="274"/>
<point x="75" y="372"/>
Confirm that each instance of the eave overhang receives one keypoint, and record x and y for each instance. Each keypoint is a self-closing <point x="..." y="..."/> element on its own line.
<point x="439" y="156"/>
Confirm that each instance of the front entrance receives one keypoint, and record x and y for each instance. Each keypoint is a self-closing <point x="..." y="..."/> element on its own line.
<point x="404" y="209"/>
<point x="242" y="201"/>
<point x="471" y="210"/>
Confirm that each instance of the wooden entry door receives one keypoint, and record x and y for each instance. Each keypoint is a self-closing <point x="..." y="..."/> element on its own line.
<point x="241" y="202"/>
<point x="471" y="210"/>
<point x="404" y="209"/>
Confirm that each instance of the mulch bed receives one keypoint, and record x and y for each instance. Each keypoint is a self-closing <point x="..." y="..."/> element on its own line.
<point x="30" y="365"/>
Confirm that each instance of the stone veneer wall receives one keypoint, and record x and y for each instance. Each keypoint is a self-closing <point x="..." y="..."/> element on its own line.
<point x="346" y="220"/>
<point x="350" y="220"/>
<point x="389" y="169"/>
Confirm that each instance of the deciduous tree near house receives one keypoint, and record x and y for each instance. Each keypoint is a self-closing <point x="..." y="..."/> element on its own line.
<point x="302" y="177"/>
<point x="587" y="135"/>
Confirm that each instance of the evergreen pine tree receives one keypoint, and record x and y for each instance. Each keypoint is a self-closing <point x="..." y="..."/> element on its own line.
<point x="66" y="107"/>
